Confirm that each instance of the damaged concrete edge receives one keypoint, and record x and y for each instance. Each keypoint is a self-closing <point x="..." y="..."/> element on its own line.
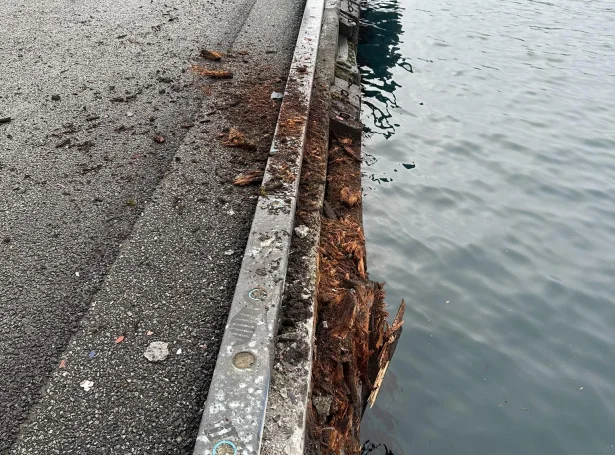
<point x="234" y="413"/>
<point x="289" y="393"/>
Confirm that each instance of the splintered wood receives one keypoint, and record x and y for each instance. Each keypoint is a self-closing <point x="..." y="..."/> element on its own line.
<point x="354" y="342"/>
<point x="249" y="177"/>
<point x="211" y="55"/>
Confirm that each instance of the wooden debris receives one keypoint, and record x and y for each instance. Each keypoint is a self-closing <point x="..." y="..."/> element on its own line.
<point x="386" y="352"/>
<point x="237" y="139"/>
<point x="345" y="145"/>
<point x="214" y="74"/>
<point x="211" y="55"/>
<point x="354" y="342"/>
<point x="349" y="197"/>
<point x="249" y="177"/>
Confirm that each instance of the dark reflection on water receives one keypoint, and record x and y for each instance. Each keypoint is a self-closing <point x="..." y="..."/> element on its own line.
<point x="378" y="55"/>
<point x="490" y="207"/>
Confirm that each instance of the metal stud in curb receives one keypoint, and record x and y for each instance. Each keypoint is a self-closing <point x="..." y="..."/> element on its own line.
<point x="244" y="360"/>
<point x="224" y="448"/>
<point x="237" y="397"/>
<point x="258" y="293"/>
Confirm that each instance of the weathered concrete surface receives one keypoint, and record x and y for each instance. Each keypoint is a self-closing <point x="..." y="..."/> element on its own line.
<point x="68" y="209"/>
<point x="234" y="413"/>
<point x="289" y="392"/>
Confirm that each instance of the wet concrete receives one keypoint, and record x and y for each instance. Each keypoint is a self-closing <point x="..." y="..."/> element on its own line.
<point x="89" y="86"/>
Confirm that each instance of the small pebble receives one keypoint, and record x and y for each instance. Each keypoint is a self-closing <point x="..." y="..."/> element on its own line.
<point x="157" y="351"/>
<point x="86" y="385"/>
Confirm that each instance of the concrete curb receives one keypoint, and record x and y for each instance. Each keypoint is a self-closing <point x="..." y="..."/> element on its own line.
<point x="286" y="423"/>
<point x="234" y="413"/>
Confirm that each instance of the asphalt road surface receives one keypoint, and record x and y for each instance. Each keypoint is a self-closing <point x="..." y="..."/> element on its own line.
<point x="118" y="224"/>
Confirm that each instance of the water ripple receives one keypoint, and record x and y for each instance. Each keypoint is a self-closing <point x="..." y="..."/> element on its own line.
<point x="501" y="235"/>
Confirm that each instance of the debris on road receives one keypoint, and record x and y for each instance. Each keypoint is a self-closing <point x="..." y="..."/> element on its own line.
<point x="249" y="177"/>
<point x="55" y="97"/>
<point x="215" y="74"/>
<point x="84" y="146"/>
<point x="5" y="120"/>
<point x="211" y="55"/>
<point x="119" y="339"/>
<point x="237" y="139"/>
<point x="62" y="363"/>
<point x="157" y="351"/>
<point x="159" y="139"/>
<point x="229" y="252"/>
<point x="86" y="385"/>
<point x="277" y="96"/>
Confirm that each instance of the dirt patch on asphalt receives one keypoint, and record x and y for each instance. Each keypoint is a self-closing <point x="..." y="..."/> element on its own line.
<point x="245" y="104"/>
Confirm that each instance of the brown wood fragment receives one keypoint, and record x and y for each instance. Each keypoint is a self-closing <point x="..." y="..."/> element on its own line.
<point x="214" y="74"/>
<point x="386" y="353"/>
<point x="345" y="146"/>
<point x="349" y="197"/>
<point x="211" y="55"/>
<point x="354" y="342"/>
<point x="236" y="138"/>
<point x="249" y="177"/>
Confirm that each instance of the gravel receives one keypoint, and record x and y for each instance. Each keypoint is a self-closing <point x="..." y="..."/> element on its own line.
<point x="113" y="234"/>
